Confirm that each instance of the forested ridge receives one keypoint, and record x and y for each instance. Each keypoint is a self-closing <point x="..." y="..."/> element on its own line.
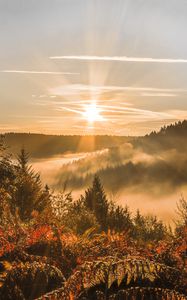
<point x="156" y="160"/>
<point x="55" y="247"/>
<point x="167" y="137"/>
<point x="41" y="145"/>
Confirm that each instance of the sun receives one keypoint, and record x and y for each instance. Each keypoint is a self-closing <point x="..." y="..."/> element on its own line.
<point x="92" y="113"/>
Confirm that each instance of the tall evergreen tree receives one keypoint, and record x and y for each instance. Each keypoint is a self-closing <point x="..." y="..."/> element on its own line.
<point x="7" y="168"/>
<point x="29" y="195"/>
<point x="95" y="200"/>
<point x="119" y="218"/>
<point x="149" y="228"/>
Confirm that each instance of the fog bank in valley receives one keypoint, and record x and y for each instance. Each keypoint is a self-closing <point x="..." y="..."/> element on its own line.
<point x="151" y="182"/>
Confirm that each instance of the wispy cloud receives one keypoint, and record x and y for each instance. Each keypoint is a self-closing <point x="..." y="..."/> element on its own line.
<point x="38" y="72"/>
<point x="179" y="114"/>
<point x="117" y="112"/>
<point x="158" y="95"/>
<point x="70" y="101"/>
<point x="74" y="88"/>
<point x="71" y="110"/>
<point x="121" y="58"/>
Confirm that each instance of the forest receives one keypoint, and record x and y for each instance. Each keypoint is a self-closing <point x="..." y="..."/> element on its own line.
<point x="55" y="247"/>
<point x="93" y="150"/>
<point x="156" y="163"/>
<point x="41" y="145"/>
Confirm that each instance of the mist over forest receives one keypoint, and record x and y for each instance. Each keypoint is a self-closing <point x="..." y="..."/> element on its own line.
<point x="47" y="146"/>
<point x="143" y="172"/>
<point x="93" y="150"/>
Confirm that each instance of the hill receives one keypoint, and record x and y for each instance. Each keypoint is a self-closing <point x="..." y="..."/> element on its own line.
<point x="40" y="145"/>
<point x="155" y="163"/>
<point x="170" y="137"/>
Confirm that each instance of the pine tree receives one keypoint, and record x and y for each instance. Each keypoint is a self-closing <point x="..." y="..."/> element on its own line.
<point x="149" y="228"/>
<point x="119" y="218"/>
<point x="23" y="159"/>
<point x="29" y="195"/>
<point x="7" y="168"/>
<point x="95" y="200"/>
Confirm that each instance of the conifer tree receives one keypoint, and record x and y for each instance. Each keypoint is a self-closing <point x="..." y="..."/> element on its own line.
<point x="29" y="195"/>
<point x="147" y="228"/>
<point x="95" y="200"/>
<point x="7" y="168"/>
<point x="119" y="218"/>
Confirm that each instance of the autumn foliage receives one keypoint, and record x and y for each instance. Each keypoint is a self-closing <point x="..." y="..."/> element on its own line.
<point x="59" y="248"/>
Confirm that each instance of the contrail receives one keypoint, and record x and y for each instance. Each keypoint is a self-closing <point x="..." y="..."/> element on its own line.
<point x="120" y="58"/>
<point x="38" y="72"/>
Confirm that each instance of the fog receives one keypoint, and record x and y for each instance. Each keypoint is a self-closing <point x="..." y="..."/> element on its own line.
<point x="50" y="168"/>
<point x="151" y="182"/>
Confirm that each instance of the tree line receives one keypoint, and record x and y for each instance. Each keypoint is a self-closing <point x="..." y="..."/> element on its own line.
<point x="23" y="196"/>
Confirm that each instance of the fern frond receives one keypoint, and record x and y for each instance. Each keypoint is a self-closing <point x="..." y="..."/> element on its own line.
<point x="135" y="293"/>
<point x="127" y="270"/>
<point x="30" y="280"/>
<point x="148" y="293"/>
<point x="109" y="271"/>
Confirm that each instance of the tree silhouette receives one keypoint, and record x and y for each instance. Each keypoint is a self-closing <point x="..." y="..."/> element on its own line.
<point x="119" y="218"/>
<point x="29" y="194"/>
<point x="95" y="200"/>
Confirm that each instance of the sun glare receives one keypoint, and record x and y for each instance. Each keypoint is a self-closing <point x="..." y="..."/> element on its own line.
<point x="92" y="113"/>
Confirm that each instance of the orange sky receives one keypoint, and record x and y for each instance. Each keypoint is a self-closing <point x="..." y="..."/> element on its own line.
<point x="92" y="67"/>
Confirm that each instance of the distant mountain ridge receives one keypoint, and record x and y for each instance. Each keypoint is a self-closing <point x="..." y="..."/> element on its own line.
<point x="173" y="136"/>
<point x="40" y="145"/>
<point x="156" y="163"/>
<point x="172" y="129"/>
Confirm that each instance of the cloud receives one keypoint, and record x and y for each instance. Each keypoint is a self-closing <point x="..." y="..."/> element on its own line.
<point x="116" y="113"/>
<point x="158" y="95"/>
<point x="72" y="89"/>
<point x="179" y="114"/>
<point x="120" y="58"/>
<point x="70" y="110"/>
<point x="122" y="115"/>
<point x="38" y="72"/>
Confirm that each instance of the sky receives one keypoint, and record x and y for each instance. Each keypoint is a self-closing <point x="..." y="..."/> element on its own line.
<point x="92" y="66"/>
